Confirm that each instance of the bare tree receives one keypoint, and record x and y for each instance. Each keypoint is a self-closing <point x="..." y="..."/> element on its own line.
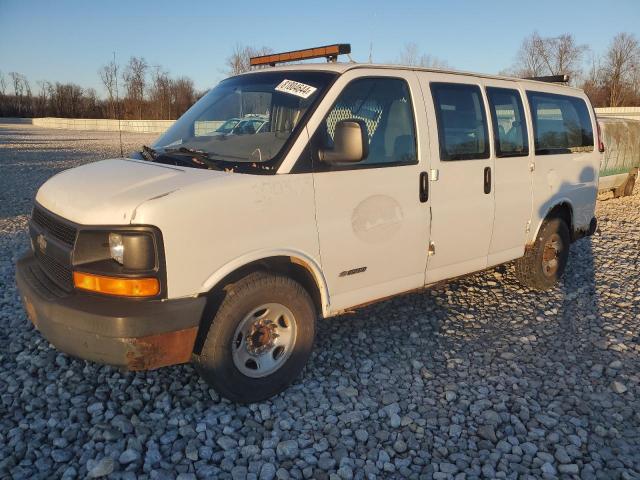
<point x="21" y="93"/>
<point x="238" y="61"/>
<point x="160" y="93"/>
<point x="594" y="82"/>
<point x="3" y="90"/>
<point x="549" y="56"/>
<point x="42" y="100"/>
<point x="109" y="76"/>
<point x="183" y="94"/>
<point x="621" y="68"/>
<point x="411" y="55"/>
<point x="134" y="77"/>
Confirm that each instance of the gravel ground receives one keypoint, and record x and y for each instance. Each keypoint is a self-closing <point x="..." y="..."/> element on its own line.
<point x="476" y="379"/>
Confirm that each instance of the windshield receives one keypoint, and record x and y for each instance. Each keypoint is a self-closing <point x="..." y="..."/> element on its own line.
<point x="248" y="119"/>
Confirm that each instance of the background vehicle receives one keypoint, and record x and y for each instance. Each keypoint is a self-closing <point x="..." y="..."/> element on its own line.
<point x="621" y="161"/>
<point x="370" y="181"/>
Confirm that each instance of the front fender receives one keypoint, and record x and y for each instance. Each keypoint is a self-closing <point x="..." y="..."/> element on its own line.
<point x="299" y="257"/>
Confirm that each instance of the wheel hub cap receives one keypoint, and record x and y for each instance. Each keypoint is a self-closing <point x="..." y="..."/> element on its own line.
<point x="264" y="340"/>
<point x="550" y="255"/>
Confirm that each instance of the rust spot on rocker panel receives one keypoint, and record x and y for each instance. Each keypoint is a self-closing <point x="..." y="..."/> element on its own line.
<point x="155" y="351"/>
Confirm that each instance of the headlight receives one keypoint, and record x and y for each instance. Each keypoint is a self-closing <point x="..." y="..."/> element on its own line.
<point x="131" y="250"/>
<point x="116" y="247"/>
<point x="127" y="261"/>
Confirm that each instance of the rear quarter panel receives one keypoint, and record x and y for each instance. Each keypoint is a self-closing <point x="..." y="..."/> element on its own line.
<point x="570" y="178"/>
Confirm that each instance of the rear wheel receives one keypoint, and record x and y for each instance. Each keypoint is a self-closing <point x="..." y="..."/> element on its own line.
<point x="544" y="262"/>
<point x="628" y="186"/>
<point x="260" y="338"/>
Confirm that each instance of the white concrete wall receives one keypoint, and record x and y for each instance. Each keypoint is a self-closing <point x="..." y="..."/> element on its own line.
<point x="160" y="126"/>
<point x="632" y="113"/>
<point x="140" y="126"/>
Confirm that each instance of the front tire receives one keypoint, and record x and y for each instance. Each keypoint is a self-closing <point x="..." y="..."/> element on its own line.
<point x="544" y="262"/>
<point x="260" y="338"/>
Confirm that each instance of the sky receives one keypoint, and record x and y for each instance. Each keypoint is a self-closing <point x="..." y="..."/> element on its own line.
<point x="68" y="40"/>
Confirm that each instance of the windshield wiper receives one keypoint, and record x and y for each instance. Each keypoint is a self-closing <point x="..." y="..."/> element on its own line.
<point x="198" y="157"/>
<point x="149" y="153"/>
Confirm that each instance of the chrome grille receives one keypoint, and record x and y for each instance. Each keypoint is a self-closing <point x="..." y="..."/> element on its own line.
<point x="60" y="274"/>
<point x="56" y="228"/>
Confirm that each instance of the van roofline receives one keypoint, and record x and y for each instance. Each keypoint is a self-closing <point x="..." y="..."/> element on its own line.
<point x="341" y="67"/>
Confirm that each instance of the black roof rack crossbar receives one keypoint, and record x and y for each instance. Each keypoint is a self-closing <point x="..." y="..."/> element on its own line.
<point x="551" y="78"/>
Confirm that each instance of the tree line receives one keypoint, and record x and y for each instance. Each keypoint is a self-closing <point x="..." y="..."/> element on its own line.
<point x="610" y="80"/>
<point x="139" y="90"/>
<point x="136" y="91"/>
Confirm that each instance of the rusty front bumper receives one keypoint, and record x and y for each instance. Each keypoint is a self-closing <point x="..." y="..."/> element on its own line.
<point x="131" y="333"/>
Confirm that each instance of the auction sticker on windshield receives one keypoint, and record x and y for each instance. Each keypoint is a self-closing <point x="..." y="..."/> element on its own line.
<point x="296" y="88"/>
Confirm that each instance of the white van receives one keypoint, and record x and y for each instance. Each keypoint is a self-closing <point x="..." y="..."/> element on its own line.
<point x="370" y="181"/>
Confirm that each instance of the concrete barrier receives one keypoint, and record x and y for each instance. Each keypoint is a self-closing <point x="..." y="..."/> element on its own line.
<point x="160" y="126"/>
<point x="632" y="113"/>
<point x="104" y="125"/>
<point x="16" y="120"/>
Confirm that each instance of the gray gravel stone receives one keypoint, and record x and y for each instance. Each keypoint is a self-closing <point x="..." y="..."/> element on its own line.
<point x="102" y="468"/>
<point x="287" y="449"/>
<point x="128" y="456"/>
<point x="478" y="377"/>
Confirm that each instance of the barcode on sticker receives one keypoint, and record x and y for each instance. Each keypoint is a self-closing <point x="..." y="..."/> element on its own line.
<point x="296" y="88"/>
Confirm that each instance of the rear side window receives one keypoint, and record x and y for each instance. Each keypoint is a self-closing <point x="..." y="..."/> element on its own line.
<point x="462" y="122"/>
<point x="509" y="125"/>
<point x="561" y="124"/>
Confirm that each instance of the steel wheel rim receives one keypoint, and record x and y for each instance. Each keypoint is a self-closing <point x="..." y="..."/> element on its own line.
<point x="551" y="255"/>
<point x="264" y="340"/>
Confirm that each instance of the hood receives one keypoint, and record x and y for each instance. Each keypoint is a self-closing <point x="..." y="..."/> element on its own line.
<point x="108" y="192"/>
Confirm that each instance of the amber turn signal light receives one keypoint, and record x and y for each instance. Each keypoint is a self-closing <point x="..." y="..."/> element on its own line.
<point x="126" y="287"/>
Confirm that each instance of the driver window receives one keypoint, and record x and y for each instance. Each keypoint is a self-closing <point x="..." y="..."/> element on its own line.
<point x="384" y="105"/>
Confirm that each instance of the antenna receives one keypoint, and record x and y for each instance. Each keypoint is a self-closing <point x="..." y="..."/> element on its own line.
<point x="118" y="103"/>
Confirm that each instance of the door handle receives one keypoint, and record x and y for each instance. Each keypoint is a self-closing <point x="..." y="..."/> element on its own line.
<point x="424" y="187"/>
<point x="487" y="180"/>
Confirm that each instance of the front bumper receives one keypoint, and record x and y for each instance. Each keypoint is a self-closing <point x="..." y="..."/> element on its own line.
<point x="135" y="334"/>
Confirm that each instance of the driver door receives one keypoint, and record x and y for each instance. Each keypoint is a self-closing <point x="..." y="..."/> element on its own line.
<point x="373" y="225"/>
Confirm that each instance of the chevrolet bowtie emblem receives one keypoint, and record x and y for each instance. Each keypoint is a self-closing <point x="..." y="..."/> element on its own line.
<point x="42" y="242"/>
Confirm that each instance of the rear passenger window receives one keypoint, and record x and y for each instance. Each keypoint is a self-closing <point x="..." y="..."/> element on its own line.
<point x="561" y="124"/>
<point x="462" y="123"/>
<point x="509" y="125"/>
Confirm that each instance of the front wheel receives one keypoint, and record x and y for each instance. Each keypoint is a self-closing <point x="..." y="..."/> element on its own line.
<point x="260" y="338"/>
<point x="544" y="262"/>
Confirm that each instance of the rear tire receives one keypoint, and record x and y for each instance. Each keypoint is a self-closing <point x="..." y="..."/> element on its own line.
<point x="628" y="186"/>
<point x="544" y="262"/>
<point x="259" y="339"/>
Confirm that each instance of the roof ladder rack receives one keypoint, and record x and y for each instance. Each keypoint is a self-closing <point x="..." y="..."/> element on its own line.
<point x="330" y="52"/>
<point x="551" y="78"/>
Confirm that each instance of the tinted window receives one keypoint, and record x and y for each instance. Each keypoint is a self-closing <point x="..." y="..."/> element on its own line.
<point x="462" y="123"/>
<point x="509" y="124"/>
<point x="384" y="105"/>
<point x="561" y="124"/>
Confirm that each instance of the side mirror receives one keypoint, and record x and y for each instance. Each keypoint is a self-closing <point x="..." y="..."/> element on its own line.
<point x="350" y="143"/>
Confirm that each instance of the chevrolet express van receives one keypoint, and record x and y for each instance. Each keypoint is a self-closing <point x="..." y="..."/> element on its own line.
<point x="369" y="181"/>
